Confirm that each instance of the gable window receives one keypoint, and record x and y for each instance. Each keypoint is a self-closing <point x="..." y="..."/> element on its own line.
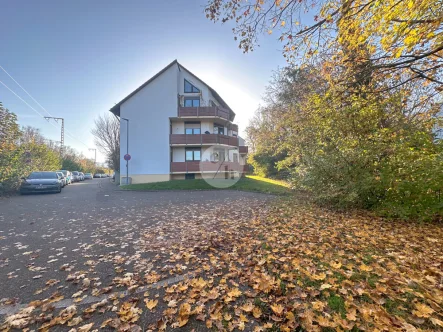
<point x="192" y="102"/>
<point x="190" y="88"/>
<point x="193" y="154"/>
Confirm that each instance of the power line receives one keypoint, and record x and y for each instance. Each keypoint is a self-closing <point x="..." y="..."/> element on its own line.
<point x="25" y="90"/>
<point x="25" y="102"/>
<point x="67" y="131"/>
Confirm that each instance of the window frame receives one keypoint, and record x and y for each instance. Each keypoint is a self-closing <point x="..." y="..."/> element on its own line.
<point x="192" y="87"/>
<point x="191" y="98"/>
<point x="218" y="126"/>
<point x="193" y="150"/>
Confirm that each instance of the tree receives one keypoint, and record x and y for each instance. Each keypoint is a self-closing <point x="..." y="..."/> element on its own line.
<point x="107" y="138"/>
<point x="270" y="128"/>
<point x="401" y="40"/>
<point x="31" y="135"/>
<point x="10" y="157"/>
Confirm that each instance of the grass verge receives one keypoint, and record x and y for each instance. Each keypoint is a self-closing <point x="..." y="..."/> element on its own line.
<point x="248" y="183"/>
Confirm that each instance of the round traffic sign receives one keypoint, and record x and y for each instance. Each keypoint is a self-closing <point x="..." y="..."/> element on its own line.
<point x="127" y="157"/>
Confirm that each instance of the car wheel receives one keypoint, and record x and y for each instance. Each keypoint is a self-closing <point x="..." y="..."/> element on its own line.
<point x="60" y="189"/>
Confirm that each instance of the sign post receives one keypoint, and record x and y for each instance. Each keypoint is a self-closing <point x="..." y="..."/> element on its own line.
<point x="127" y="157"/>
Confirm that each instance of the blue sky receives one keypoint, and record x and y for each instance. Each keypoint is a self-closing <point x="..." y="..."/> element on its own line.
<point x="79" y="58"/>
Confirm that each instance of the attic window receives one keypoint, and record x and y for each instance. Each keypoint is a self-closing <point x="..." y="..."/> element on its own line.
<point x="190" y="88"/>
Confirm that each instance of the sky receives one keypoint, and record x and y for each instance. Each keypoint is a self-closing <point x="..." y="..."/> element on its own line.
<point x="79" y="58"/>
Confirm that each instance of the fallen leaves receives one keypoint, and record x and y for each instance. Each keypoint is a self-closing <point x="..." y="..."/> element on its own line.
<point x="423" y="311"/>
<point x="151" y="304"/>
<point x="286" y="268"/>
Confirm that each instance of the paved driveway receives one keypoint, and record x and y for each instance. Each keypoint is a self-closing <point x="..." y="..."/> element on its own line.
<point x="92" y="231"/>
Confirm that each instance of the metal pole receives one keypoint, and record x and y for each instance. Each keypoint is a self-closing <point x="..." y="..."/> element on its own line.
<point x="127" y="149"/>
<point x="62" y="134"/>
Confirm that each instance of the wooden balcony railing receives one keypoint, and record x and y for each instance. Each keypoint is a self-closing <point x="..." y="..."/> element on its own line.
<point x="204" y="111"/>
<point x="197" y="139"/>
<point x="243" y="149"/>
<point x="207" y="166"/>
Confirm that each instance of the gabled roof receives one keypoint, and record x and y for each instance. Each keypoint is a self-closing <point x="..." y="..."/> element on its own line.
<point x="116" y="109"/>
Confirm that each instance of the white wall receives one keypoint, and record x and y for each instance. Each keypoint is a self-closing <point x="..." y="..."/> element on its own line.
<point x="178" y="127"/>
<point x="178" y="154"/>
<point x="148" y="112"/>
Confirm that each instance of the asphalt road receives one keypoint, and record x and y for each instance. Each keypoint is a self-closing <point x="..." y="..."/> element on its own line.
<point x="91" y="229"/>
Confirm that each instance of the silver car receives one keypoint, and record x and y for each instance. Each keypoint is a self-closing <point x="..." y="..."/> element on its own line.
<point x="62" y="178"/>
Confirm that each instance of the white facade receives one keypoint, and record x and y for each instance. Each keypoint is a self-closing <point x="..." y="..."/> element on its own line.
<point x="152" y="111"/>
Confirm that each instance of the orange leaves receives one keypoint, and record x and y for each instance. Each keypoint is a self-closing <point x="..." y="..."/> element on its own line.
<point x="277" y="309"/>
<point x="256" y="312"/>
<point x="235" y="292"/>
<point x="129" y="312"/>
<point x="422" y="310"/>
<point x="151" y="304"/>
<point x="365" y="268"/>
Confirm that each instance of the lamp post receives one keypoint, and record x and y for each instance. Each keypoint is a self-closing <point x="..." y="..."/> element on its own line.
<point x="127" y="149"/>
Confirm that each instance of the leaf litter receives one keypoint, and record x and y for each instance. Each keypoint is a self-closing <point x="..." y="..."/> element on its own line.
<point x="253" y="266"/>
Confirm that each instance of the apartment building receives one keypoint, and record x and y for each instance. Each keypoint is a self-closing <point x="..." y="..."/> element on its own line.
<point x="178" y="127"/>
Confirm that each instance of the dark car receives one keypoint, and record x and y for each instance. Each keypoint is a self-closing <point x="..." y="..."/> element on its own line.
<point x="41" y="182"/>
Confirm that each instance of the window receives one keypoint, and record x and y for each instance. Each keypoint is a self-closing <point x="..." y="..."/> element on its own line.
<point x="235" y="157"/>
<point x="189" y="176"/>
<point x="218" y="129"/>
<point x="192" y="131"/>
<point x="192" y="128"/>
<point x="190" y="88"/>
<point x="193" y="154"/>
<point x="192" y="102"/>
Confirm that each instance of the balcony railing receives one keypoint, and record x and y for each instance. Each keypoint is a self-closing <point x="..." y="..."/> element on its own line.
<point x="243" y="149"/>
<point x="204" y="111"/>
<point x="196" y="139"/>
<point x="207" y="166"/>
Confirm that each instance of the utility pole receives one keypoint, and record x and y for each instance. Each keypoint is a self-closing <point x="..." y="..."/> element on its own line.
<point x="62" y="138"/>
<point x="95" y="156"/>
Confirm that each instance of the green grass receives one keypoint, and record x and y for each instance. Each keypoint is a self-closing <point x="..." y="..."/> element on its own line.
<point x="249" y="183"/>
<point x="337" y="304"/>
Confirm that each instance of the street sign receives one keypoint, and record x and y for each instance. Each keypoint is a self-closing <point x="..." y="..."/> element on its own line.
<point x="127" y="157"/>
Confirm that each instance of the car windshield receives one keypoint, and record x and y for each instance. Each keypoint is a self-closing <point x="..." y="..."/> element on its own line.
<point x="75" y="173"/>
<point x="64" y="172"/>
<point x="43" y="175"/>
<point x="87" y="173"/>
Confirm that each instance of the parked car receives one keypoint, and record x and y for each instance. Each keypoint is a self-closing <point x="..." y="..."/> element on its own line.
<point x="75" y="176"/>
<point x="62" y="178"/>
<point x="41" y="182"/>
<point x="82" y="176"/>
<point x="67" y="175"/>
<point x="88" y="176"/>
<point x="97" y="175"/>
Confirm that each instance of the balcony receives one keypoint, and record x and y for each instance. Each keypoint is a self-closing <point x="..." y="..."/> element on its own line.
<point x="207" y="167"/>
<point x="243" y="149"/>
<point x="202" y="139"/>
<point x="205" y="111"/>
